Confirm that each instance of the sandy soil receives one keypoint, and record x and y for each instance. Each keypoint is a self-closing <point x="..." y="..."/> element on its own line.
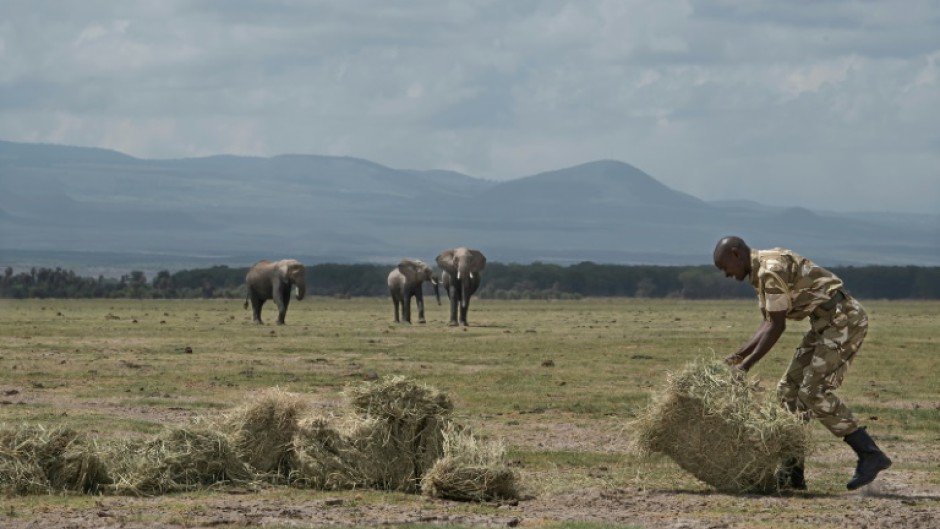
<point x="648" y="509"/>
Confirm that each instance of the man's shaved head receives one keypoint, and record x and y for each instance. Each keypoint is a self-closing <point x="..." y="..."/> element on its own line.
<point x="733" y="257"/>
<point x="727" y="243"/>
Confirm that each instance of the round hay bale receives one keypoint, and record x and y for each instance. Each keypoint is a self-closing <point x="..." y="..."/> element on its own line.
<point x="263" y="429"/>
<point x="397" y="425"/>
<point x="714" y="424"/>
<point x="471" y="470"/>
<point x="323" y="458"/>
<point x="37" y="459"/>
<point x="178" y="460"/>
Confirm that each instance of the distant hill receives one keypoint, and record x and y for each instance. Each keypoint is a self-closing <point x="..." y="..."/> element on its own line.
<point x="81" y="202"/>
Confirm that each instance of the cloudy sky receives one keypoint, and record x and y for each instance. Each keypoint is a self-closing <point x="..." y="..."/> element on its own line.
<point x="824" y="104"/>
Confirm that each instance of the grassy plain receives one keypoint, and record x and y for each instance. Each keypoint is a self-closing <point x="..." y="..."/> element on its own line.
<point x="557" y="381"/>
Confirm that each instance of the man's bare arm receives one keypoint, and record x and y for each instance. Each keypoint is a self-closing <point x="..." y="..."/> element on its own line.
<point x="765" y="339"/>
<point x="748" y="347"/>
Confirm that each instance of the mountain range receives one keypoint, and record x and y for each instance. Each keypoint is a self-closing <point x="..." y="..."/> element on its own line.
<point x="63" y="204"/>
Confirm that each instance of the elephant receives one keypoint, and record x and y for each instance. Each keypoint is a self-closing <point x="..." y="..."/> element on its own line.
<point x="405" y="282"/>
<point x="461" y="278"/>
<point x="274" y="280"/>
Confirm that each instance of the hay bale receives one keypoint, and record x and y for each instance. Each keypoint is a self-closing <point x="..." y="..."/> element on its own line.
<point x="262" y="431"/>
<point x="324" y="458"/>
<point x="714" y="424"/>
<point x="37" y="459"/>
<point x="397" y="427"/>
<point x="471" y="470"/>
<point x="177" y="460"/>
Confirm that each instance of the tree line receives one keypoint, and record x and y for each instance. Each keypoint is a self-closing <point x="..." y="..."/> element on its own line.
<point x="500" y="281"/>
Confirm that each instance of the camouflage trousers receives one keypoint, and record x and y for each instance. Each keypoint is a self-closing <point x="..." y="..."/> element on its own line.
<point x="820" y="363"/>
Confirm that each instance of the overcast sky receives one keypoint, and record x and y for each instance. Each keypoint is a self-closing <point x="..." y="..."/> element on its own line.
<point x="831" y="105"/>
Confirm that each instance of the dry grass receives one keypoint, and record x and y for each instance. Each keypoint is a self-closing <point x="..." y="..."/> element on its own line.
<point x="324" y="458"/>
<point x="397" y="425"/>
<point x="710" y="420"/>
<point x="392" y="435"/>
<point x="262" y="429"/>
<point x="64" y="363"/>
<point x="180" y="459"/>
<point x="36" y="459"/>
<point x="471" y="470"/>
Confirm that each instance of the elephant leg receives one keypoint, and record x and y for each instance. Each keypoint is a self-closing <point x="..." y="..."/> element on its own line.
<point x="406" y="308"/>
<point x="453" y="309"/>
<point x="464" y="308"/>
<point x="419" y="301"/>
<point x="282" y="299"/>
<point x="283" y="312"/>
<point x="256" y="304"/>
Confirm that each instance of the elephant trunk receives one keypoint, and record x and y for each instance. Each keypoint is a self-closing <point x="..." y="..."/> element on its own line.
<point x="464" y="276"/>
<point x="464" y="291"/>
<point x="301" y="290"/>
<point x="437" y="290"/>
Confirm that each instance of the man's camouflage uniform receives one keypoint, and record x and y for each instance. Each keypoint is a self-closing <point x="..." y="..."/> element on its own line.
<point x="786" y="281"/>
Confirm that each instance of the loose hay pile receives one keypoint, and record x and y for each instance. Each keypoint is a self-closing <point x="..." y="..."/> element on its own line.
<point x="262" y="431"/>
<point x="471" y="470"/>
<point x="397" y="425"/>
<point x="392" y="435"/>
<point x="178" y="460"/>
<point x="35" y="460"/>
<point x="325" y="459"/>
<point x="716" y="426"/>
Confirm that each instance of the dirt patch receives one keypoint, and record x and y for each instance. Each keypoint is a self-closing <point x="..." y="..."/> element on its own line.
<point x="892" y="508"/>
<point x="557" y="432"/>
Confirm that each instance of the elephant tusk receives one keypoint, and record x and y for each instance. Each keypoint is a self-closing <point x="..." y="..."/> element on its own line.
<point x="458" y="274"/>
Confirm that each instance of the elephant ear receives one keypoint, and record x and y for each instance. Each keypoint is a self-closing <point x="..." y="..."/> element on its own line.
<point x="446" y="260"/>
<point x="477" y="260"/>
<point x="409" y="268"/>
<point x="295" y="267"/>
<point x="290" y="268"/>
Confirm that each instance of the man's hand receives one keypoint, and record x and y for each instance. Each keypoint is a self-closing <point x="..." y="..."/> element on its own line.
<point x="733" y="360"/>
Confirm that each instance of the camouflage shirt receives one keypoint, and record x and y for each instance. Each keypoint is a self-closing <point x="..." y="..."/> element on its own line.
<point x="785" y="280"/>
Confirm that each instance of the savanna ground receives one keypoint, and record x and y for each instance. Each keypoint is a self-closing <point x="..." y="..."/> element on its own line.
<point x="558" y="382"/>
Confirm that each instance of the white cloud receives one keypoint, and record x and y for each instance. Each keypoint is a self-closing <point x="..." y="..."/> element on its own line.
<point x="928" y="75"/>
<point x="702" y="95"/>
<point x="814" y="77"/>
<point x="97" y="32"/>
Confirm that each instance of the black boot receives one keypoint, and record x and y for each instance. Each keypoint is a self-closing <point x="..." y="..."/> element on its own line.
<point x="797" y="478"/>
<point x="871" y="460"/>
<point x="790" y="475"/>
